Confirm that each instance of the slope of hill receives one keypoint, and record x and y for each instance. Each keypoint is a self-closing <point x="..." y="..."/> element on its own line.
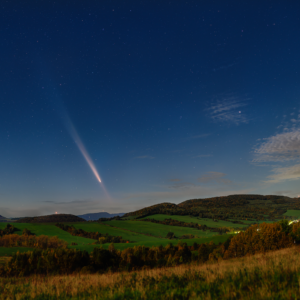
<point x="1" y="217"/>
<point x="241" y="207"/>
<point x="51" y="219"/>
<point x="97" y="216"/>
<point x="162" y="208"/>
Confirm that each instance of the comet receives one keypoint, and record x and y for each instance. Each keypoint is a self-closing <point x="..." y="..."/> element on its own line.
<point x="81" y="147"/>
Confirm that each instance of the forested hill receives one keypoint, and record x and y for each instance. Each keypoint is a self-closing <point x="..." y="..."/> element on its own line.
<point x="51" y="219"/>
<point x="96" y="216"/>
<point x="250" y="206"/>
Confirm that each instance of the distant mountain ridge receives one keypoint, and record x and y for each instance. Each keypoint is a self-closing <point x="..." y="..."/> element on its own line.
<point x="97" y="216"/>
<point x="1" y="217"/>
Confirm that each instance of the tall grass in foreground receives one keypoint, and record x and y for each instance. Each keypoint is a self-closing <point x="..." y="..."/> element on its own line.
<point x="275" y="275"/>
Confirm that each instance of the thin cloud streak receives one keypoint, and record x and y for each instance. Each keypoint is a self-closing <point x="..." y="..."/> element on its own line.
<point x="228" y="110"/>
<point x="279" y="148"/>
<point x="284" y="173"/>
<point x="179" y="195"/>
<point x="182" y="185"/>
<point x="214" y="177"/>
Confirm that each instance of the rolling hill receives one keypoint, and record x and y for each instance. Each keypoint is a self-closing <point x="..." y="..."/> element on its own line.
<point x="236" y="207"/>
<point x="97" y="216"/>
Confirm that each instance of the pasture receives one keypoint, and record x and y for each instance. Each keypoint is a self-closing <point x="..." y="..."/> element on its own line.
<point x="293" y="213"/>
<point x="201" y="221"/>
<point x="50" y="230"/>
<point x="159" y="230"/>
<point x="139" y="233"/>
<point x="209" y="222"/>
<point x="164" y="242"/>
<point x="127" y="235"/>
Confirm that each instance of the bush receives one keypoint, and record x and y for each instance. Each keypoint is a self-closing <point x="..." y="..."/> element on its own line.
<point x="41" y="242"/>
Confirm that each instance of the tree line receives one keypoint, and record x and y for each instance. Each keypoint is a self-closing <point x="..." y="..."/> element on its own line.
<point x="101" y="238"/>
<point x="173" y="222"/>
<point x="9" y="229"/>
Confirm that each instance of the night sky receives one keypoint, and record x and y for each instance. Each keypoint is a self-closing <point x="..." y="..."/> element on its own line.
<point x="167" y="100"/>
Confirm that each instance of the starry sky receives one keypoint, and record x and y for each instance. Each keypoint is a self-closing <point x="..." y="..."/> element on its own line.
<point x="163" y="100"/>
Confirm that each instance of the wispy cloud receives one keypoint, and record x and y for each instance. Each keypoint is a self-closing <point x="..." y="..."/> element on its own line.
<point x="228" y="109"/>
<point x="179" y="195"/>
<point x="144" y="157"/>
<point x="287" y="192"/>
<point x="73" y="202"/>
<point x="285" y="173"/>
<point x="279" y="148"/>
<point x="224" y="67"/>
<point x="182" y="185"/>
<point x="214" y="177"/>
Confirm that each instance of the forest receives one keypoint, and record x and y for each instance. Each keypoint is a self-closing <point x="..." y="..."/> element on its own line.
<point x="101" y="238"/>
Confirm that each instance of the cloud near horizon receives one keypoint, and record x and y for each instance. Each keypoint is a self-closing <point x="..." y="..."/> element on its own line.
<point x="284" y="173"/>
<point x="180" y="195"/>
<point x="279" y="148"/>
<point x="182" y="185"/>
<point x="214" y="177"/>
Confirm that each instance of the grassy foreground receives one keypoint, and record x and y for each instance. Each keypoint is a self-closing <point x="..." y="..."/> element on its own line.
<point x="275" y="275"/>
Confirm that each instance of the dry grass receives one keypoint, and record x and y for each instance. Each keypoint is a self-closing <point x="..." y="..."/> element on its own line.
<point x="109" y="284"/>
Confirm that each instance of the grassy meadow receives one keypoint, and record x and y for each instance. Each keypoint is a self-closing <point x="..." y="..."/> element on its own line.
<point x="274" y="275"/>
<point x="43" y="229"/>
<point x="126" y="234"/>
<point x="201" y="221"/>
<point x="158" y="230"/>
<point x="138" y="233"/>
<point x="293" y="213"/>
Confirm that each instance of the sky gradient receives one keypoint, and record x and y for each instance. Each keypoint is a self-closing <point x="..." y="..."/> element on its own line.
<point x="166" y="100"/>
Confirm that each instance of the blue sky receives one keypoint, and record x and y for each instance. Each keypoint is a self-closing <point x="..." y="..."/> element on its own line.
<point x="170" y="100"/>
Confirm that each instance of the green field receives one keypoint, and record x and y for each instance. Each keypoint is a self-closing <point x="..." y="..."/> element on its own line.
<point x="49" y="230"/>
<point x="202" y="221"/>
<point x="159" y="230"/>
<point x="293" y="213"/>
<point x="139" y="233"/>
<point x="207" y="222"/>
<point x="127" y="235"/>
<point x="10" y="251"/>
<point x="164" y="242"/>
